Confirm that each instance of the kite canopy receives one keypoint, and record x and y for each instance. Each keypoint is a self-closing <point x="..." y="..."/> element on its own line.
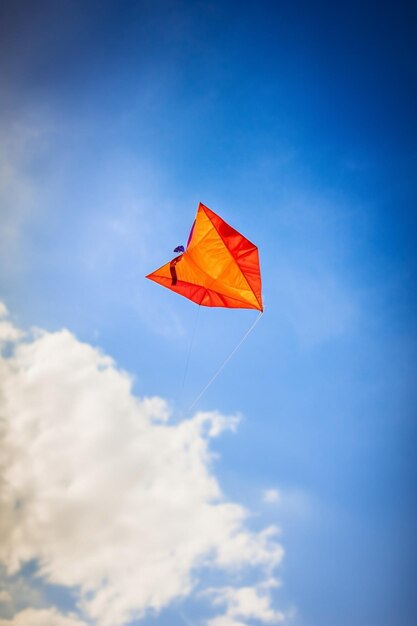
<point x="219" y="267"/>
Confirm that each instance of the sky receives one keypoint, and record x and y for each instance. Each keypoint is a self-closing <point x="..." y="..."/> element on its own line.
<point x="286" y="494"/>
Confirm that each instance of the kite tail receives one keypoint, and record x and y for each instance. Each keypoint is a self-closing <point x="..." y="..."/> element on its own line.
<point x="225" y="362"/>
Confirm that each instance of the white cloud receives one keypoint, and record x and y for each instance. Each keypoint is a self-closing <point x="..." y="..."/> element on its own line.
<point x="245" y="603"/>
<point x="42" y="617"/>
<point x="224" y="620"/>
<point x="296" y="503"/>
<point x="8" y="332"/>
<point x="104" y="493"/>
<point x="271" y="496"/>
<point x="5" y="597"/>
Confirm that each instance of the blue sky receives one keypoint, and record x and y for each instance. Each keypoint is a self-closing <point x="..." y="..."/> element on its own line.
<point x="296" y="123"/>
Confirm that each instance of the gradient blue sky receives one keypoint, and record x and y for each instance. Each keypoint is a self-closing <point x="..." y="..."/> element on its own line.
<point x="297" y="123"/>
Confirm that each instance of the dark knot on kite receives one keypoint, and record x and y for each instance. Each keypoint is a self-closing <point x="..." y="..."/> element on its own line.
<point x="173" y="270"/>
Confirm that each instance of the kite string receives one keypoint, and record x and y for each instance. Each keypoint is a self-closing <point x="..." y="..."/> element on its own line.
<point x="185" y="619"/>
<point x="225" y="362"/>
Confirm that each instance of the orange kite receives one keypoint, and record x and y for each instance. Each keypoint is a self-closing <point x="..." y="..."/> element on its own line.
<point x="219" y="267"/>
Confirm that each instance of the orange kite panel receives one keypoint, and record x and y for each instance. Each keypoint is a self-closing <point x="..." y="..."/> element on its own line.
<point x="219" y="267"/>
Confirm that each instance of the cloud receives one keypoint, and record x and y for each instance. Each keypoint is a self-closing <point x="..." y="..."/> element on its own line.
<point x="42" y="617"/>
<point x="8" y="332"/>
<point x="5" y="597"/>
<point x="224" y="620"/>
<point x="298" y="504"/>
<point x="271" y="496"/>
<point x="104" y="493"/>
<point x="246" y="603"/>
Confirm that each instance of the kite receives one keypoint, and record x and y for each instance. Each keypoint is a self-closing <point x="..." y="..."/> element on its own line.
<point x="218" y="268"/>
